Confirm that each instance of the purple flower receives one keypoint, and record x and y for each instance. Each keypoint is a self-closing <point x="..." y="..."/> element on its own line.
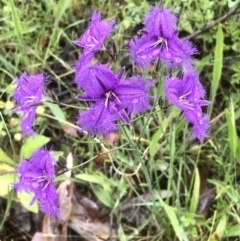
<point x="28" y="94"/>
<point x="36" y="176"/>
<point x="95" y="35"/>
<point x="112" y="99"/>
<point x="160" y="41"/>
<point x="187" y="94"/>
<point x="161" y="22"/>
<point x="173" y="51"/>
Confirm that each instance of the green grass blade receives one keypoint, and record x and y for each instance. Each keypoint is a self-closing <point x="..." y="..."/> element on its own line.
<point x="196" y="191"/>
<point x="171" y="214"/>
<point x="59" y="14"/>
<point x="221" y="227"/>
<point x="17" y="22"/>
<point x="217" y="66"/>
<point x="232" y="131"/>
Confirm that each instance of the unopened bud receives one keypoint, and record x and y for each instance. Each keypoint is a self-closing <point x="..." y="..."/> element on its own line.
<point x="18" y="137"/>
<point x="40" y="110"/>
<point x="9" y="105"/>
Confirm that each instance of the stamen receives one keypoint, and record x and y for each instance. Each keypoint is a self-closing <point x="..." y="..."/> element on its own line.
<point x="108" y="95"/>
<point x="42" y="178"/>
<point x="45" y="186"/>
<point x="183" y="96"/>
<point x="183" y="100"/>
<point x="116" y="97"/>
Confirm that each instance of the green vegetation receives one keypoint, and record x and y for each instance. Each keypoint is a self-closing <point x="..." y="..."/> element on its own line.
<point x="193" y="189"/>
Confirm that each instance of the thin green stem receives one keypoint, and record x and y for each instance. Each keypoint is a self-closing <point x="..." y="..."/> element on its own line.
<point x="140" y="159"/>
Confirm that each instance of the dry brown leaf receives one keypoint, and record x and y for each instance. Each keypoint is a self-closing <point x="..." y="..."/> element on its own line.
<point x="111" y="139"/>
<point x="90" y="206"/>
<point x="92" y="231"/>
<point x="81" y="221"/>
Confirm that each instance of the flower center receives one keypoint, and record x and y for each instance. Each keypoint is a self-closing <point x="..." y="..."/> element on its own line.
<point x="183" y="100"/>
<point x="92" y="41"/>
<point x="44" y="178"/>
<point x="162" y="42"/>
<point x="108" y="96"/>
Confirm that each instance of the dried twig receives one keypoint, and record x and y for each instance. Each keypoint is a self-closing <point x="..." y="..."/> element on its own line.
<point x="213" y="23"/>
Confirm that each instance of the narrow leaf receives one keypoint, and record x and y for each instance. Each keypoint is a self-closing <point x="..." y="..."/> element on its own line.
<point x="56" y="110"/>
<point x="32" y="144"/>
<point x="172" y="216"/>
<point x="221" y="227"/>
<point x="5" y="158"/>
<point x="232" y="131"/>
<point x="16" y="22"/>
<point x="218" y="63"/>
<point x="196" y="191"/>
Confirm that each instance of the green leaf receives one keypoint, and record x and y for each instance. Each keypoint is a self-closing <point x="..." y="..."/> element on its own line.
<point x="218" y="63"/>
<point x="32" y="144"/>
<point x="233" y="231"/>
<point x="98" y="178"/>
<point x="172" y="216"/>
<point x="196" y="191"/>
<point x="121" y="234"/>
<point x="6" y="180"/>
<point x="25" y="199"/>
<point x="56" y="110"/>
<point x="232" y="131"/>
<point x="104" y="191"/>
<point x="5" y="158"/>
<point x="160" y="132"/>
<point x="16" y="22"/>
<point x="221" y="227"/>
<point x="232" y="3"/>
<point x="105" y="196"/>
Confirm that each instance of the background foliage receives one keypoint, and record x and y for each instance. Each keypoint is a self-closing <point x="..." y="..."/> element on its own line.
<point x="155" y="154"/>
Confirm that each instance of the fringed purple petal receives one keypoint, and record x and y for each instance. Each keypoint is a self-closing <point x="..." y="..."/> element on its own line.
<point x="98" y="120"/>
<point x="161" y="22"/>
<point x="95" y="35"/>
<point x="143" y="50"/>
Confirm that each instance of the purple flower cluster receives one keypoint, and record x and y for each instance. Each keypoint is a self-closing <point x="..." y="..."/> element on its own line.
<point x="111" y="97"/>
<point x="160" y="40"/>
<point x="28" y="94"/>
<point x="36" y="176"/>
